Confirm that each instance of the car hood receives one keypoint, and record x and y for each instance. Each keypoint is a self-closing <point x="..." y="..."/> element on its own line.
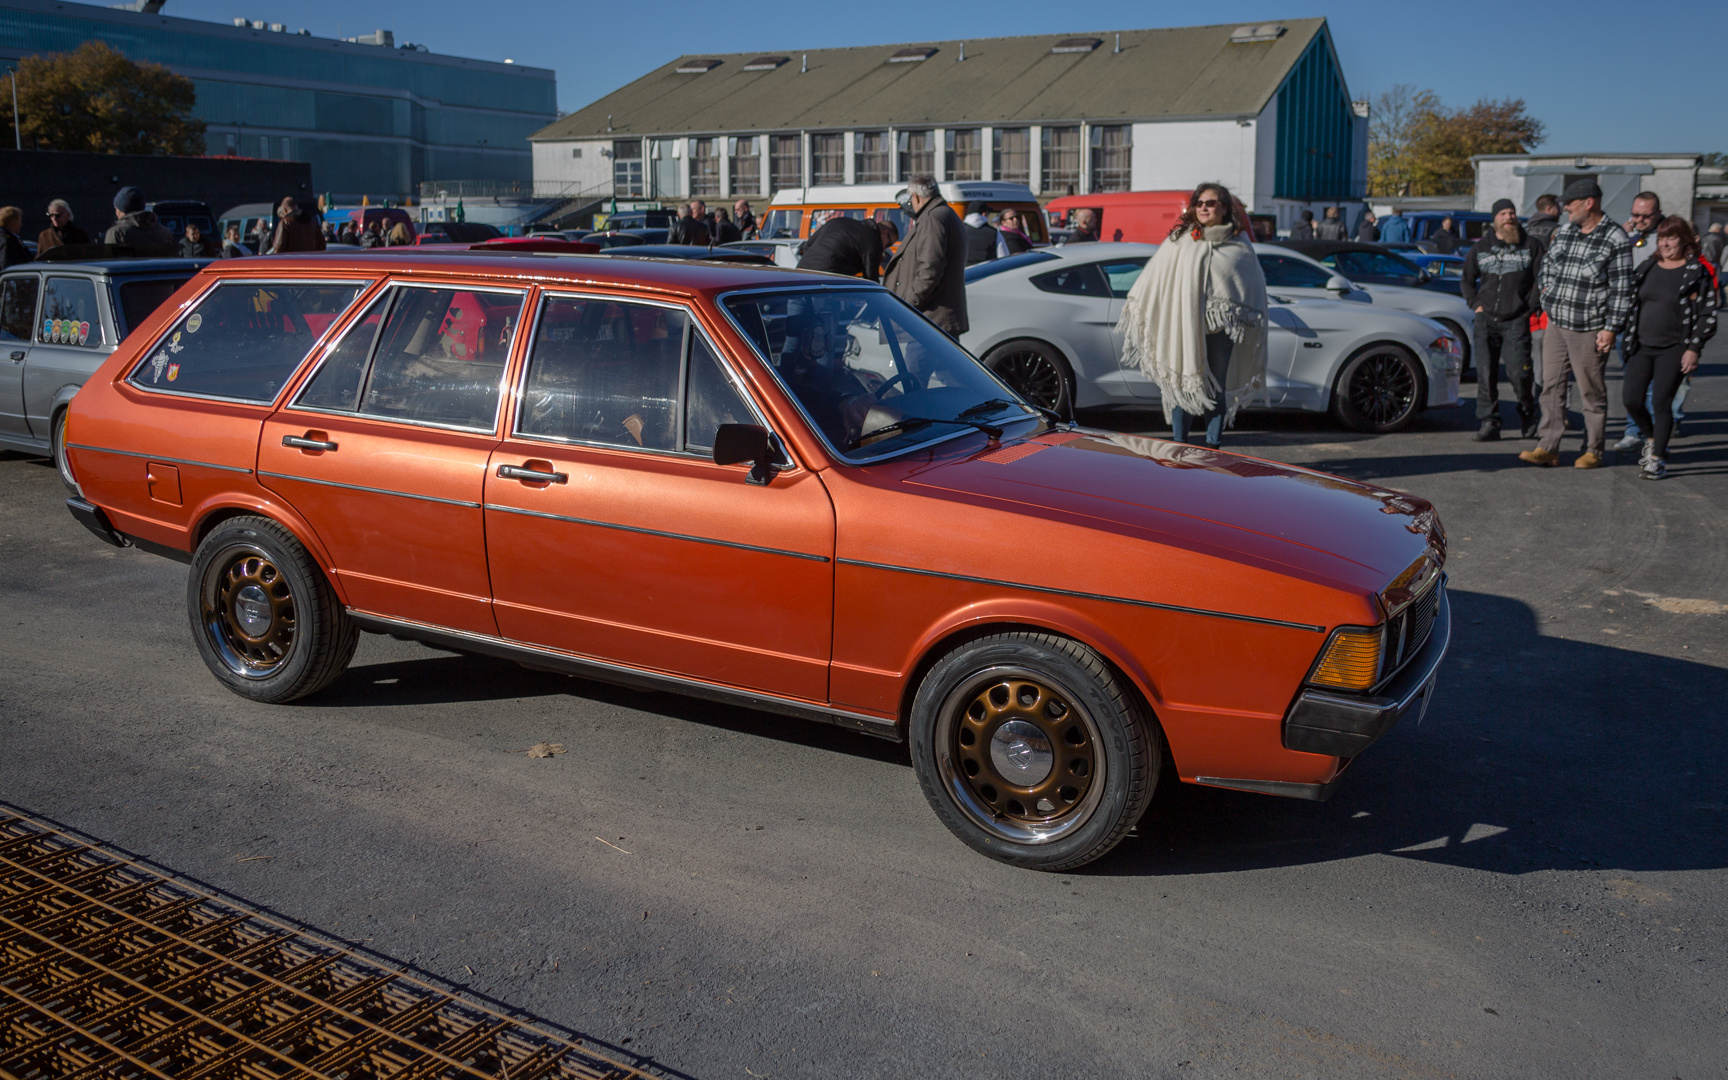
<point x="1320" y="526"/>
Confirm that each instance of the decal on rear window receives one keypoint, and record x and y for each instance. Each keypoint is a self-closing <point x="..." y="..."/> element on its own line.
<point x="250" y="340"/>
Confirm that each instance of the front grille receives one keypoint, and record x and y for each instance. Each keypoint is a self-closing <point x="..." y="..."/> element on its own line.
<point x="111" y="969"/>
<point x="1408" y="630"/>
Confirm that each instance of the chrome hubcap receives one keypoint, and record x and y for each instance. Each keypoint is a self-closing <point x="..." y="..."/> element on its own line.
<point x="1021" y="753"/>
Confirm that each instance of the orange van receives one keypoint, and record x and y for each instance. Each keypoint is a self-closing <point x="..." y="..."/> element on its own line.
<point x="801" y="211"/>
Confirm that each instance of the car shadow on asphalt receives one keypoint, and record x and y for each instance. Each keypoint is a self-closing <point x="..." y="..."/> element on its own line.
<point x="1538" y="753"/>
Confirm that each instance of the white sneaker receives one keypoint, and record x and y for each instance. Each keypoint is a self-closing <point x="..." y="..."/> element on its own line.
<point x="1654" y="469"/>
<point x="1626" y="442"/>
<point x="1648" y="453"/>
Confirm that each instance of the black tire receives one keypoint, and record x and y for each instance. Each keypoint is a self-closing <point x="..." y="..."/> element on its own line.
<point x="1380" y="389"/>
<point x="57" y="444"/>
<point x="265" y="620"/>
<point x="1036" y="371"/>
<point x="1054" y="708"/>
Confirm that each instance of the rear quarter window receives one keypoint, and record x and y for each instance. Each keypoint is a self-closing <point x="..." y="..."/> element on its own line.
<point x="244" y="340"/>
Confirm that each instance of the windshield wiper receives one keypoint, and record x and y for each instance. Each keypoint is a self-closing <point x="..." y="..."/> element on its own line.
<point x="907" y="422"/>
<point x="985" y="406"/>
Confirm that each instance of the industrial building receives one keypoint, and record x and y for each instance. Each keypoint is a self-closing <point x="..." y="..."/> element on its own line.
<point x="372" y="118"/>
<point x="1265" y="109"/>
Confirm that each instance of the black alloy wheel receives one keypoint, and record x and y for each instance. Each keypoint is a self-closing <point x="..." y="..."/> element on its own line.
<point x="57" y="444"/>
<point x="1033" y="750"/>
<point x="1035" y="371"/>
<point x="1379" y="390"/>
<point x="264" y="618"/>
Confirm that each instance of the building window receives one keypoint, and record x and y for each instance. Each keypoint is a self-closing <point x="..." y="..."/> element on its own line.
<point x="1011" y="158"/>
<point x="870" y="157"/>
<point x="828" y="159"/>
<point x="627" y="167"/>
<point x="1112" y="146"/>
<point x="963" y="154"/>
<point x="1061" y="160"/>
<point x="576" y="152"/>
<point x="785" y="162"/>
<point x="745" y="164"/>
<point x="704" y="166"/>
<point x="663" y="177"/>
<point x="917" y="154"/>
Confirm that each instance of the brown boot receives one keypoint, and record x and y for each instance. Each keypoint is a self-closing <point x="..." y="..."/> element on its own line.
<point x="1539" y="456"/>
<point x="1589" y="459"/>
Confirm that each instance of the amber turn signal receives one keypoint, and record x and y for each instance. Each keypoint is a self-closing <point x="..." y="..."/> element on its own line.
<point x="1351" y="660"/>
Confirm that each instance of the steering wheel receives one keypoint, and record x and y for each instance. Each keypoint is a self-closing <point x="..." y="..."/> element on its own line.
<point x="902" y="377"/>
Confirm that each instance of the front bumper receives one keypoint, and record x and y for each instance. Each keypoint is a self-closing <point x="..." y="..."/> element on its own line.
<point x="1344" y="725"/>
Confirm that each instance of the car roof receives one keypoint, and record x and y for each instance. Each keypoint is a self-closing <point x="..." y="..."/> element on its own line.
<point x="686" y="277"/>
<point x="1319" y="248"/>
<point x="98" y="267"/>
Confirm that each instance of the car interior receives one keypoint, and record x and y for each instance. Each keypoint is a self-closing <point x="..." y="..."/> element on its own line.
<point x="604" y="371"/>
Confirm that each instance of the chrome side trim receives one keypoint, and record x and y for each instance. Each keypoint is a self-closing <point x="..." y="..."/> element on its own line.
<point x="159" y="457"/>
<point x="370" y="490"/>
<point x="1082" y="595"/>
<point x="534" y="656"/>
<point x="656" y="532"/>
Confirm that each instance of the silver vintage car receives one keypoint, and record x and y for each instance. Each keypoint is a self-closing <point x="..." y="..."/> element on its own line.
<point x="58" y="322"/>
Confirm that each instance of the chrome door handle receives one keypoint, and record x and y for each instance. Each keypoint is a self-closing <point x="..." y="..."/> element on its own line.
<point x="307" y="444"/>
<point x="535" y="476"/>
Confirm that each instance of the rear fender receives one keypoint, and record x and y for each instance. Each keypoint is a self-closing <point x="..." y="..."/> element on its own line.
<point x="212" y="512"/>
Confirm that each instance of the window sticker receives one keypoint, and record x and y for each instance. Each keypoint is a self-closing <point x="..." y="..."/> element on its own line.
<point x="194" y="323"/>
<point x="157" y="363"/>
<point x="173" y="372"/>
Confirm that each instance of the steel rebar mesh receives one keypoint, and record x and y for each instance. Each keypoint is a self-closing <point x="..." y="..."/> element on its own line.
<point x="109" y="968"/>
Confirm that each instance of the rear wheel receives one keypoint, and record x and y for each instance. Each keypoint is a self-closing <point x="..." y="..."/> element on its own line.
<point x="1379" y="390"/>
<point x="1032" y="750"/>
<point x="1036" y="371"/>
<point x="265" y="620"/>
<point x="58" y="443"/>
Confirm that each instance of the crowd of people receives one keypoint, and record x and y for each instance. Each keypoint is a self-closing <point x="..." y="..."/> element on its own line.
<point x="698" y="226"/>
<point x="139" y="231"/>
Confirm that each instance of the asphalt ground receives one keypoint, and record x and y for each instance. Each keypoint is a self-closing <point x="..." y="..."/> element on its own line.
<point x="1529" y="883"/>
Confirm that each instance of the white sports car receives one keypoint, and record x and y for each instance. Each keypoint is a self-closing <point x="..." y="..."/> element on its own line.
<point x="1296" y="274"/>
<point x="1045" y="321"/>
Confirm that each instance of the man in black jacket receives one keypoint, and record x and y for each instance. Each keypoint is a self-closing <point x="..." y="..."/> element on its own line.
<point x="1545" y="220"/>
<point x="844" y="245"/>
<point x="1499" y="283"/>
<point x="929" y="272"/>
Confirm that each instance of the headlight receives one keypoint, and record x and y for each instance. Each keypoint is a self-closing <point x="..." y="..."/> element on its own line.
<point x="1351" y="659"/>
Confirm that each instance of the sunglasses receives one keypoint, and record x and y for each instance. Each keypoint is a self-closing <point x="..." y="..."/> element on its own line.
<point x="1206" y="203"/>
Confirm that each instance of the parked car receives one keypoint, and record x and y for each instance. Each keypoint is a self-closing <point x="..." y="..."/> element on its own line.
<point x="58" y="323"/>
<point x="176" y="214"/>
<point x="1144" y="217"/>
<point x="766" y="488"/>
<point x="1373" y="264"/>
<point x="1045" y="323"/>
<point x="247" y="216"/>
<point x="457" y="232"/>
<point x="784" y="250"/>
<point x="611" y="238"/>
<point x="1469" y="224"/>
<point x="626" y="220"/>
<point x="689" y="251"/>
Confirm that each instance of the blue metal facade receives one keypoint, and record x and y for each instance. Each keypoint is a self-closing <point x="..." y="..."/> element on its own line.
<point x="371" y="120"/>
<point x="1315" y="138"/>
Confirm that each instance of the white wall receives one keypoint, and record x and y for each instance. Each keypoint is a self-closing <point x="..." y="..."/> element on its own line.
<point x="557" y="167"/>
<point x="1177" y="155"/>
<point x="1265" y="158"/>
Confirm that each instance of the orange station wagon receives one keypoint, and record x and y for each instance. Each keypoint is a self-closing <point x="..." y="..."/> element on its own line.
<point x="762" y="487"/>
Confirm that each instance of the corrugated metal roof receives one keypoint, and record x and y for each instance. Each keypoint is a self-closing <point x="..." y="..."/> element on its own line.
<point x="1177" y="73"/>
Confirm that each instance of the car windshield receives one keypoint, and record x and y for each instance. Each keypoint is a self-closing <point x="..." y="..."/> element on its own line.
<point x="1370" y="265"/>
<point x="872" y="375"/>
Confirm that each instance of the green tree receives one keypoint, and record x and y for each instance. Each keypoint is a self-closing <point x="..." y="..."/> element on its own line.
<point x="1419" y="146"/>
<point x="96" y="100"/>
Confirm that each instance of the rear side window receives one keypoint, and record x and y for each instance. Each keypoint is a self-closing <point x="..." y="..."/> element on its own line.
<point x="604" y="371"/>
<point x="425" y="355"/>
<point x="1283" y="272"/>
<point x="1085" y="280"/>
<point x="138" y="299"/>
<point x="18" y="307"/>
<point x="69" y="313"/>
<point x="1122" y="275"/>
<point x="244" y="340"/>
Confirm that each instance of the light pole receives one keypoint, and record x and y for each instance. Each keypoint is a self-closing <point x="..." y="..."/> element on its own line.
<point x="17" y="127"/>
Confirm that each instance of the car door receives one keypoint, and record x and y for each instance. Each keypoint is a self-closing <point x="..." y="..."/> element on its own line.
<point x="72" y="340"/>
<point x="1288" y="338"/>
<point x="1120" y="275"/>
<point x="612" y="534"/>
<point x="18" y="295"/>
<point x="1295" y="276"/>
<point x="384" y="450"/>
<point x="1087" y="322"/>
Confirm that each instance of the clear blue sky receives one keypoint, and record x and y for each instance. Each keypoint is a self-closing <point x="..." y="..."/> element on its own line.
<point x="1570" y="62"/>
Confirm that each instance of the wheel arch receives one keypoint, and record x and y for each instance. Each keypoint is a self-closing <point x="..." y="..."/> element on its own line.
<point x="225" y="508"/>
<point x="1404" y="347"/>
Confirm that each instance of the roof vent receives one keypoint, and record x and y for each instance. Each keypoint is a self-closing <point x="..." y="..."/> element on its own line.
<point x="915" y="53"/>
<point x="696" y="67"/>
<point x="1247" y="35"/>
<point x="1076" y="44"/>
<point x="766" y="63"/>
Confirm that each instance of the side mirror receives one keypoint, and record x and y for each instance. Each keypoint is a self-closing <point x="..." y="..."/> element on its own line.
<point x="1339" y="284"/>
<point x="735" y="444"/>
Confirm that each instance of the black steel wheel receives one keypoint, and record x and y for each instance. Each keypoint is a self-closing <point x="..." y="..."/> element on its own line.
<point x="57" y="443"/>
<point x="265" y="620"/>
<point x="1033" y="750"/>
<point x="1380" y="389"/>
<point x="1035" y="371"/>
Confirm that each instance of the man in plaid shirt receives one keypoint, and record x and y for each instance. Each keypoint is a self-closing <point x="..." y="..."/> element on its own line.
<point x="1586" y="288"/>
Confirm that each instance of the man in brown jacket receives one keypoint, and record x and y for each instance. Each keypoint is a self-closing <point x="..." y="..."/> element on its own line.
<point x="930" y="271"/>
<point x="60" y="229"/>
<point x="296" y="229"/>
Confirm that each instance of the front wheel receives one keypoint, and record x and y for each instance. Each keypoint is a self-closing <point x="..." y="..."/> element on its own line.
<point x="1032" y="750"/>
<point x="1036" y="371"/>
<point x="1379" y="390"/>
<point x="265" y="620"/>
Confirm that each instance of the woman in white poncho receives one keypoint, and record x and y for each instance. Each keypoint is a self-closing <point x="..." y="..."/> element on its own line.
<point x="1195" y="320"/>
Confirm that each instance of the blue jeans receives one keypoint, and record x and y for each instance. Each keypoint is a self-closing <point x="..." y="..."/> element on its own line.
<point x="1633" y="431"/>
<point x="1182" y="424"/>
